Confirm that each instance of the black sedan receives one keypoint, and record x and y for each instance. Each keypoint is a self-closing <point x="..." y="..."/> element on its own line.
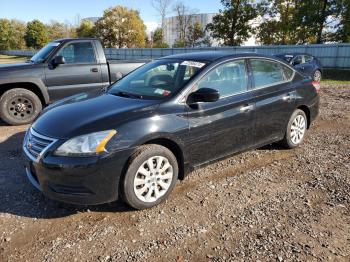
<point x="304" y="63"/>
<point x="163" y="120"/>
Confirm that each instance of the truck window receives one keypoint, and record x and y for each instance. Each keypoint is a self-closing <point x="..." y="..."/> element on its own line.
<point x="78" y="53"/>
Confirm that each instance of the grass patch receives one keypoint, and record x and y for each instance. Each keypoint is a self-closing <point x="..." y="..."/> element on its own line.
<point x="5" y="59"/>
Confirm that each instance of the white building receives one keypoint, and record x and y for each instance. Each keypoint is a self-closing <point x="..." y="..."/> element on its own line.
<point x="171" y="27"/>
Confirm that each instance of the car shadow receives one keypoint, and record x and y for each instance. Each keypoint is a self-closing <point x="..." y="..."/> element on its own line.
<point x="18" y="197"/>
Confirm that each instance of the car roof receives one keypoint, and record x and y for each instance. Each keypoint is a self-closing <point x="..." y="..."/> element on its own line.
<point x="293" y="54"/>
<point x="211" y="56"/>
<point x="73" y="39"/>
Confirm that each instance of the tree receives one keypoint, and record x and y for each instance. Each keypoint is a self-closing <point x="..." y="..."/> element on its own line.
<point x="184" y="18"/>
<point x="86" y="29"/>
<point x="232" y="25"/>
<point x="340" y="32"/>
<point x="5" y="34"/>
<point x="18" y="30"/>
<point x="195" y="34"/>
<point x="157" y="39"/>
<point x="12" y="34"/>
<point x="297" y="21"/>
<point x="121" y="27"/>
<point x="56" y="30"/>
<point x="282" y="24"/>
<point x="162" y="6"/>
<point x="36" y="34"/>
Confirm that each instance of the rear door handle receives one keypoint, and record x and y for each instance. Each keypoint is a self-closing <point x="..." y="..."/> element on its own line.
<point x="246" y="108"/>
<point x="94" y="70"/>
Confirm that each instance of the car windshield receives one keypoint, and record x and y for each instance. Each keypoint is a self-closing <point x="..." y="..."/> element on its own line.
<point x="44" y="52"/>
<point x="158" y="79"/>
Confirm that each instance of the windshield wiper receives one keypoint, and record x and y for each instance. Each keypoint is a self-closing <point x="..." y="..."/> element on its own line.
<point x="128" y="95"/>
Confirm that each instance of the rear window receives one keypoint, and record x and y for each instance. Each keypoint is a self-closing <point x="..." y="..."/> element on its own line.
<point x="266" y="72"/>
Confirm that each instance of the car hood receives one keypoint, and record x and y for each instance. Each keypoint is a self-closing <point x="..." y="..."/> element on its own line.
<point x="5" y="67"/>
<point x="90" y="112"/>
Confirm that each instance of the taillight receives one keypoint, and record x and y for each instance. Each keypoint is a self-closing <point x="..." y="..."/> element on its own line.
<point x="317" y="86"/>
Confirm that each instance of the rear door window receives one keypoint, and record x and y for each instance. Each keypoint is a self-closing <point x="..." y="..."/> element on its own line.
<point x="267" y="73"/>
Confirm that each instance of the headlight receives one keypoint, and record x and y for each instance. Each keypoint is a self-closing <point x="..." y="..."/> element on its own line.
<point x="90" y="144"/>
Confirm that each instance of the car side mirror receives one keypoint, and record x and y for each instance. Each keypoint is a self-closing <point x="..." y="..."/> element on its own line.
<point x="58" y="60"/>
<point x="204" y="95"/>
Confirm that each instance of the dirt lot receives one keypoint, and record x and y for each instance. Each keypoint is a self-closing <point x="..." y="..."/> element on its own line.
<point x="268" y="204"/>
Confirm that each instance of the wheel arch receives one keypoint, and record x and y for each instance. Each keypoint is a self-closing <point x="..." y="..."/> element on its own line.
<point x="33" y="87"/>
<point x="175" y="148"/>
<point x="306" y="110"/>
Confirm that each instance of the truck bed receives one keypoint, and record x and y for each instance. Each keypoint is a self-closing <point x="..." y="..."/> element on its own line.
<point x="123" y="66"/>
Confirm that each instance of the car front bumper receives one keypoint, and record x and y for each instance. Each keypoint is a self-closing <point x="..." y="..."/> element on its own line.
<point x="76" y="180"/>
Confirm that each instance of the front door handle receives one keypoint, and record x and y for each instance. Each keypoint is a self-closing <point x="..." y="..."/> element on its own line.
<point x="246" y="108"/>
<point x="287" y="97"/>
<point x="94" y="70"/>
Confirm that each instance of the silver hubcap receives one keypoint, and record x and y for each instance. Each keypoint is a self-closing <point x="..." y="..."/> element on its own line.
<point x="298" y="129"/>
<point x="317" y="76"/>
<point x="153" y="179"/>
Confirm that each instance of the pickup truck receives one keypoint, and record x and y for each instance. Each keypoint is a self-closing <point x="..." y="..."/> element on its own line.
<point x="62" y="68"/>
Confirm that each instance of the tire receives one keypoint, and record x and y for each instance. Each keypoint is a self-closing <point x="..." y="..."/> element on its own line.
<point x="317" y="76"/>
<point x="292" y="140"/>
<point x="19" y="106"/>
<point x="143" y="189"/>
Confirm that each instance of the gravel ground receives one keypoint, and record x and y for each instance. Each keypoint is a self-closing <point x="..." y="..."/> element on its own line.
<point x="267" y="204"/>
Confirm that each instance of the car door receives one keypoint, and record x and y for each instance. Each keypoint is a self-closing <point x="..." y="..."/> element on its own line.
<point x="309" y="65"/>
<point x="225" y="126"/>
<point x="80" y="73"/>
<point x="274" y="98"/>
<point x="298" y="63"/>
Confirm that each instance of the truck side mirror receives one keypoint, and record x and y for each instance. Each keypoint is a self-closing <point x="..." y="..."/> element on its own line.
<point x="58" y="60"/>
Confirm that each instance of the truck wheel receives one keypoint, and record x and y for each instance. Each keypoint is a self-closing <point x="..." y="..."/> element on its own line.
<point x="150" y="177"/>
<point x="19" y="106"/>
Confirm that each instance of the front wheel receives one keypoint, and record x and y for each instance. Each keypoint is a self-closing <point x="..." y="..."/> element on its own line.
<point x="19" y="106"/>
<point x="296" y="129"/>
<point x="150" y="177"/>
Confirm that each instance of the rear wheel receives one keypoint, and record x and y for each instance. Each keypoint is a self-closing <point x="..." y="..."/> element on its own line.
<point x="151" y="176"/>
<point x="317" y="76"/>
<point x="296" y="129"/>
<point x="19" y="106"/>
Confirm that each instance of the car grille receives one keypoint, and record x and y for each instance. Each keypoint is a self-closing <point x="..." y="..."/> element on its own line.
<point x="35" y="143"/>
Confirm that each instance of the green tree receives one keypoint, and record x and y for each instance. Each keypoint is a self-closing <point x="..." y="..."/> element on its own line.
<point x="36" y="34"/>
<point x="86" y="29"/>
<point x="5" y="34"/>
<point x="157" y="38"/>
<point x="232" y="25"/>
<point x="12" y="34"/>
<point x="340" y="32"/>
<point x="195" y="34"/>
<point x="121" y="27"/>
<point x="281" y="24"/>
<point x="18" y="30"/>
<point x="56" y="30"/>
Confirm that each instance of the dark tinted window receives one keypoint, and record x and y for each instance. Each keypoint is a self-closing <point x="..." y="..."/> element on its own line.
<point x="229" y="78"/>
<point x="267" y="72"/>
<point x="298" y="60"/>
<point x="308" y="58"/>
<point x="76" y="53"/>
